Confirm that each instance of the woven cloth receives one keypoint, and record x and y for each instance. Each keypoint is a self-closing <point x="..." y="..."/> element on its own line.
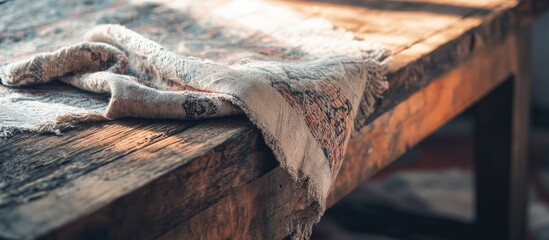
<point x="299" y="80"/>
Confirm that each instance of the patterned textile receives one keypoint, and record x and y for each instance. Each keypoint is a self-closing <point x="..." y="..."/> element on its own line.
<point x="300" y="81"/>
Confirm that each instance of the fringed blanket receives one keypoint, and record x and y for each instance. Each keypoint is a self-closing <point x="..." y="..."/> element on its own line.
<point x="300" y="81"/>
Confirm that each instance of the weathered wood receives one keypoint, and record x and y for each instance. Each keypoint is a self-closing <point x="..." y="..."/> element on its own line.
<point x="156" y="175"/>
<point x="192" y="183"/>
<point x="382" y="141"/>
<point x="23" y="178"/>
<point x="421" y="54"/>
<point x="425" y="114"/>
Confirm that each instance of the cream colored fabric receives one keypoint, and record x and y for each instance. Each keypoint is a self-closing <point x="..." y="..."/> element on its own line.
<point x="302" y="90"/>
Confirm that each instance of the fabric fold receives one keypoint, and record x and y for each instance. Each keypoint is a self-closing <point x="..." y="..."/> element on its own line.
<point x="303" y="87"/>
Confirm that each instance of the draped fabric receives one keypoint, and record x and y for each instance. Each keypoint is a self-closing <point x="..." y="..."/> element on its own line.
<point x="299" y="80"/>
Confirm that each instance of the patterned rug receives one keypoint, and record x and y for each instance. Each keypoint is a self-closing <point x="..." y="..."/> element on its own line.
<point x="299" y="80"/>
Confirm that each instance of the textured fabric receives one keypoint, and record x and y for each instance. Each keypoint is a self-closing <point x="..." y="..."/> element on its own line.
<point x="300" y="82"/>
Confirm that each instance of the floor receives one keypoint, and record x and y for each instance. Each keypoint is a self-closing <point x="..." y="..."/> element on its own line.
<point x="436" y="178"/>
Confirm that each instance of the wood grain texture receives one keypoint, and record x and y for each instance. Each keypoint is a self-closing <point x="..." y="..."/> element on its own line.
<point x="214" y="151"/>
<point x="143" y="179"/>
<point x="428" y="42"/>
<point x="382" y="141"/>
<point x="23" y="178"/>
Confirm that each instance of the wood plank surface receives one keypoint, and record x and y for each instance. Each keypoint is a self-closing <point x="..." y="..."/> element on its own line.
<point x="168" y="154"/>
<point x="422" y="53"/>
<point x="385" y="139"/>
<point x="144" y="179"/>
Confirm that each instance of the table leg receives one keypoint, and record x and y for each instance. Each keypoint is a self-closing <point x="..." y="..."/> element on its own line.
<point x="500" y="158"/>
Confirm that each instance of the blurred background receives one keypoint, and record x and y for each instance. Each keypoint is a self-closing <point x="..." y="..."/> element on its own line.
<point x="436" y="178"/>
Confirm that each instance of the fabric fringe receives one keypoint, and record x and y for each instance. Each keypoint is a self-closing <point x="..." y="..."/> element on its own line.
<point x="62" y="123"/>
<point x="376" y="85"/>
<point x="300" y="227"/>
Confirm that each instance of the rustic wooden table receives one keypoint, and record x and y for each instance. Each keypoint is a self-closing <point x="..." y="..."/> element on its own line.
<point x="216" y="179"/>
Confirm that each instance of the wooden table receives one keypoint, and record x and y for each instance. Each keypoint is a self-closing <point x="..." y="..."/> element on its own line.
<point x="216" y="179"/>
